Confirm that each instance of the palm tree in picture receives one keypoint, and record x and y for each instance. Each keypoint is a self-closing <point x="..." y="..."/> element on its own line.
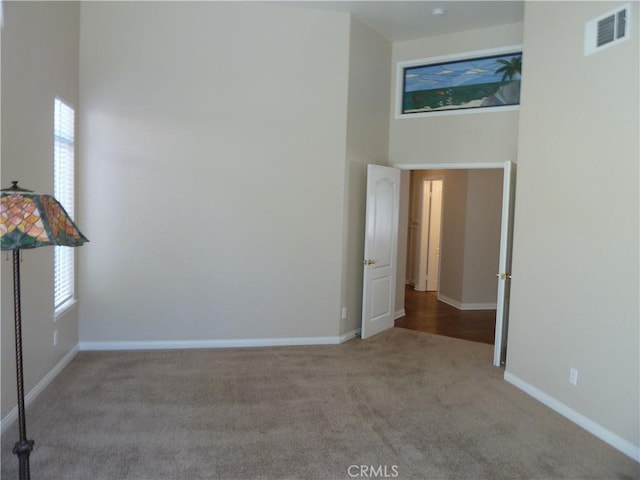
<point x="510" y="68"/>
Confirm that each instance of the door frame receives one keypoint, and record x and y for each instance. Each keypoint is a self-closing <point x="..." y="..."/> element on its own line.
<point x="506" y="223"/>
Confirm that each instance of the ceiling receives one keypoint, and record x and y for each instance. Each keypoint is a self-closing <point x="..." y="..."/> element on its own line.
<point x="401" y="20"/>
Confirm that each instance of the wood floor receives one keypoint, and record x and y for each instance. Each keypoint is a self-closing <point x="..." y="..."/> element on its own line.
<point x="424" y="312"/>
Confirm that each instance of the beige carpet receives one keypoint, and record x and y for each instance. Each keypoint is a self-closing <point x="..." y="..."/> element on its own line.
<point x="404" y="404"/>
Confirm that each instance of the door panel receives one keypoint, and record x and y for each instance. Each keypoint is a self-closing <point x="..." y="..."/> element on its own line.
<point x="380" y="304"/>
<point x="383" y="231"/>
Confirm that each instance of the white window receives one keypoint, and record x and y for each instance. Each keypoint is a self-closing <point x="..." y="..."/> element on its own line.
<point x="63" y="190"/>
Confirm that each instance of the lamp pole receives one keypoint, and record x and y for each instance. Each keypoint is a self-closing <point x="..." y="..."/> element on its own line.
<point x="23" y="447"/>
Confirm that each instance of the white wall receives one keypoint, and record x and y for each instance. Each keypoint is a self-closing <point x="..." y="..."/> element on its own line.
<point x="575" y="289"/>
<point x="482" y="238"/>
<point x="39" y="62"/>
<point x="213" y="164"/>
<point x="367" y="142"/>
<point x="470" y="137"/>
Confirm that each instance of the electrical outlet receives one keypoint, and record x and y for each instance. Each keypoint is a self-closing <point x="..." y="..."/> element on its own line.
<point x="55" y="338"/>
<point x="344" y="313"/>
<point x="573" y="376"/>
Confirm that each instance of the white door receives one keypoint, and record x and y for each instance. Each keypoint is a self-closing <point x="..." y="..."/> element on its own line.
<point x="504" y="265"/>
<point x="429" y="257"/>
<point x="434" y="236"/>
<point x="423" y="257"/>
<point x="380" y="249"/>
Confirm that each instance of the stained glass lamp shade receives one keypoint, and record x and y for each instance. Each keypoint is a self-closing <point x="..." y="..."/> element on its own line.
<point x="30" y="220"/>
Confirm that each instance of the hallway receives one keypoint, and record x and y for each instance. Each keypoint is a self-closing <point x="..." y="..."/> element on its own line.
<point x="424" y="312"/>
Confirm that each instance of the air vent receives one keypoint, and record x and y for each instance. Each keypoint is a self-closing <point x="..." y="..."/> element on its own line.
<point x="607" y="30"/>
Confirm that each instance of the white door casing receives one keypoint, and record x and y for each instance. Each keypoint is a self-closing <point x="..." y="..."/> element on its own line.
<point x="380" y="249"/>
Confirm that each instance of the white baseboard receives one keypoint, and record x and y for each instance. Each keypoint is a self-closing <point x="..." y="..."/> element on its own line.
<point x="12" y="416"/>
<point x="190" y="344"/>
<point x="399" y="314"/>
<point x="589" y="425"/>
<point x="466" y="306"/>
<point x="350" y="335"/>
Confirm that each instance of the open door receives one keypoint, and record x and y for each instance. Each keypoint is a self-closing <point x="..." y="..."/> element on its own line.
<point x="504" y="265"/>
<point x="380" y="249"/>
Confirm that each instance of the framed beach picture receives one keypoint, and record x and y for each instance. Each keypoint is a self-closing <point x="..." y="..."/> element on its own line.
<point x="487" y="80"/>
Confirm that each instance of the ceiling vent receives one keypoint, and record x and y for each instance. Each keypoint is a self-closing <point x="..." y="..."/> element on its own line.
<point x="607" y="30"/>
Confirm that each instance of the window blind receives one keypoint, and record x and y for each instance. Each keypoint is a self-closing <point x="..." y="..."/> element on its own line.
<point x="63" y="186"/>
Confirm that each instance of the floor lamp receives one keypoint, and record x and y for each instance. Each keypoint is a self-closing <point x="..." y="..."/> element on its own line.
<point x="30" y="220"/>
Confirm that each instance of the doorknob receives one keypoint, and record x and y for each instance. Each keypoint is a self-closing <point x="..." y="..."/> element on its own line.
<point x="369" y="262"/>
<point x="503" y="276"/>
